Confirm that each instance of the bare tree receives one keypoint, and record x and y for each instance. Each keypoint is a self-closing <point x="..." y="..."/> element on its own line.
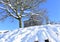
<point x="17" y="8"/>
<point x="38" y="18"/>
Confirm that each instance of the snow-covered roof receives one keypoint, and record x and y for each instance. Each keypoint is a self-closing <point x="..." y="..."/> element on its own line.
<point x="33" y="33"/>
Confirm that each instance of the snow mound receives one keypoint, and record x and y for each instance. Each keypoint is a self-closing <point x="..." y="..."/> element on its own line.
<point x="33" y="33"/>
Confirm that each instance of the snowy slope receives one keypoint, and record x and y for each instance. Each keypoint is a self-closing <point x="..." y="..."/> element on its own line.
<point x="33" y="33"/>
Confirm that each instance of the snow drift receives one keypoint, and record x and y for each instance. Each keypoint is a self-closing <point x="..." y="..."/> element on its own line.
<point x="33" y="33"/>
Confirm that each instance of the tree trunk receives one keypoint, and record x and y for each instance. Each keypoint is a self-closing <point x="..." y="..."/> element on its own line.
<point x="20" y="23"/>
<point x="20" y="19"/>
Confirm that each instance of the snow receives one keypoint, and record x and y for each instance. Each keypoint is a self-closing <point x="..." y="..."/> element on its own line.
<point x="33" y="33"/>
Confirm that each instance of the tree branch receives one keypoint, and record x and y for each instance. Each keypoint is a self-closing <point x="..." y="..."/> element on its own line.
<point x="8" y="5"/>
<point x="9" y="12"/>
<point x="4" y="16"/>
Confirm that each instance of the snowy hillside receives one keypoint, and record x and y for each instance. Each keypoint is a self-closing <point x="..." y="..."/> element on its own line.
<point x="31" y="34"/>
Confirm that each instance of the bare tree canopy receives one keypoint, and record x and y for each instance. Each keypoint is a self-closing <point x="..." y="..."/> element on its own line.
<point x="17" y="8"/>
<point x="36" y="19"/>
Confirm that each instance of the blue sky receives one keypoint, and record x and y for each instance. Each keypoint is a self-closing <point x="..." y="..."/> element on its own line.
<point x="53" y="8"/>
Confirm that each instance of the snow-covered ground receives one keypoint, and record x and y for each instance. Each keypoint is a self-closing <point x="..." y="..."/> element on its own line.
<point x="33" y="33"/>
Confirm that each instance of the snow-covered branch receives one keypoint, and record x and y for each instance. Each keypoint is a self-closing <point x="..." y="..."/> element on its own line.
<point x="9" y="12"/>
<point x="8" y="4"/>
